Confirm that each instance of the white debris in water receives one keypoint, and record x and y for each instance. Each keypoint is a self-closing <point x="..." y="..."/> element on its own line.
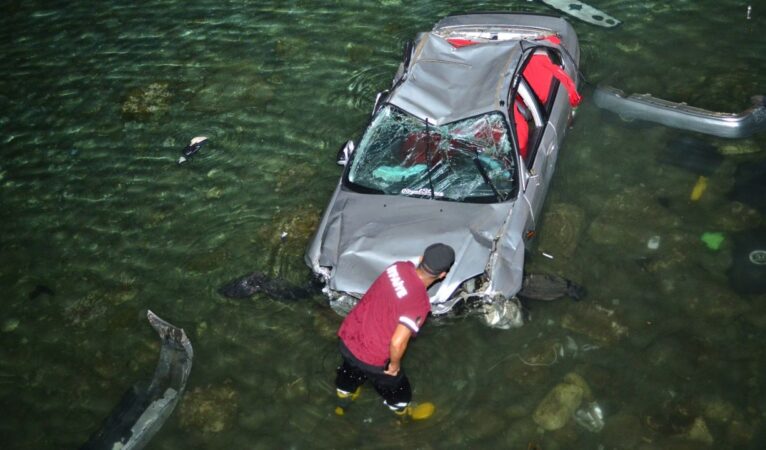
<point x="653" y="243"/>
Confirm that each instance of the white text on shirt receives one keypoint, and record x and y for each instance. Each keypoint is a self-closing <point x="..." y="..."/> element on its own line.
<point x="396" y="282"/>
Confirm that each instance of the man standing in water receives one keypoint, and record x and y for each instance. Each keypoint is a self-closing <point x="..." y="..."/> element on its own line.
<point x="375" y="334"/>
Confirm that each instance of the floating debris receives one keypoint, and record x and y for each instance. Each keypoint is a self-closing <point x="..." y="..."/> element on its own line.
<point x="584" y="12"/>
<point x="194" y="146"/>
<point x="699" y="188"/>
<point x="590" y="417"/>
<point x="144" y="408"/>
<point x="712" y="240"/>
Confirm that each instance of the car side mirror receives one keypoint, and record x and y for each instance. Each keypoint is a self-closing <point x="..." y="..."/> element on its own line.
<point x="344" y="154"/>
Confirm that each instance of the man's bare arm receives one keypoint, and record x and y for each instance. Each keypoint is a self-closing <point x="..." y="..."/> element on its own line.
<point x="397" y="347"/>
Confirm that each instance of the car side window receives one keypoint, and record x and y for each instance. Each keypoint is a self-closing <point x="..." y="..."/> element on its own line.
<point x="532" y="103"/>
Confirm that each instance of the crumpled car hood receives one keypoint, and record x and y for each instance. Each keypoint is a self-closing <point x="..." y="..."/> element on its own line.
<point x="365" y="233"/>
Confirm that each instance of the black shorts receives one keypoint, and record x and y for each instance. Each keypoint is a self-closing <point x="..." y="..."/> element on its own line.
<point x="352" y="373"/>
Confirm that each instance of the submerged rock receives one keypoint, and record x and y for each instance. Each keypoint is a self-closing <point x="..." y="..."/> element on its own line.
<point x="718" y="302"/>
<point x="144" y="102"/>
<point x="718" y="410"/>
<point x="358" y="54"/>
<point x="622" y="431"/>
<point x="740" y="147"/>
<point x="208" y="260"/>
<point x="85" y="309"/>
<point x="234" y="88"/>
<point x="521" y="433"/>
<point x="283" y="241"/>
<point x="700" y="295"/>
<point x="740" y="433"/>
<point x="699" y="432"/>
<point x="10" y="325"/>
<point x="682" y="423"/>
<point x="209" y="409"/>
<point x="326" y="323"/>
<point x="577" y="380"/>
<point x="289" y="47"/>
<point x="630" y="218"/>
<point x="737" y="216"/>
<point x="598" y="323"/>
<point x="555" y="410"/>
<point x="561" y="230"/>
<point x="285" y="178"/>
<point x="485" y="425"/>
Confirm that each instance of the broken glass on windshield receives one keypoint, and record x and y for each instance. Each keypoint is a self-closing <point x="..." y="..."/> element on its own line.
<point x="467" y="160"/>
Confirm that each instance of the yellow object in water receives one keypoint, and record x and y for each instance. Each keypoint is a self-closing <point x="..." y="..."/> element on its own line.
<point x="422" y="411"/>
<point x="699" y="188"/>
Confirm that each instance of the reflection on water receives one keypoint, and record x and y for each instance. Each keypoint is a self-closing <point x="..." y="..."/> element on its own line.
<point x="98" y="100"/>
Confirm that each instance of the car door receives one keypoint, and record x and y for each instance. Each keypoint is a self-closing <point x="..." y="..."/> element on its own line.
<point x="547" y="111"/>
<point x="540" y="144"/>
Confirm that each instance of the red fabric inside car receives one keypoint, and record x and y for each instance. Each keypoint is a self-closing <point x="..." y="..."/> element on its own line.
<point x="540" y="79"/>
<point x="539" y="73"/>
<point x="522" y="129"/>
<point x="416" y="146"/>
<point x="457" y="42"/>
<point x="553" y="39"/>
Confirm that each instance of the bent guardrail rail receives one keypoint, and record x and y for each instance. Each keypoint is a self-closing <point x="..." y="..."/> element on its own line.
<point x="683" y="116"/>
<point x="144" y="409"/>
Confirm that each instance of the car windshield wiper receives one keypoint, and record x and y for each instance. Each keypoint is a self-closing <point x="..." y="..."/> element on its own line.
<point x="484" y="175"/>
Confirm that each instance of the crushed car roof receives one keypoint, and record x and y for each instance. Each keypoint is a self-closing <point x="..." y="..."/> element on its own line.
<point x="445" y="83"/>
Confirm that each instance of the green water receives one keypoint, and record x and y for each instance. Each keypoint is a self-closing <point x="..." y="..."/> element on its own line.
<point x="96" y="101"/>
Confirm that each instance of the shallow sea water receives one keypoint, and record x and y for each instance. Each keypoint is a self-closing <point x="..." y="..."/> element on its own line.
<point x="96" y="101"/>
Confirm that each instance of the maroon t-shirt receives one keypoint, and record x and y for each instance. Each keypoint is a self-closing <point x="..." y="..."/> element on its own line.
<point x="396" y="296"/>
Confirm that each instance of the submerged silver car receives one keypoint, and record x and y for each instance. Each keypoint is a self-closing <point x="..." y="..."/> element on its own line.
<point x="461" y="150"/>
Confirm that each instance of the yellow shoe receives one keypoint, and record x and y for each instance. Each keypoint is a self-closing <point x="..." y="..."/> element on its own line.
<point x="422" y="411"/>
<point x="417" y="412"/>
<point x="348" y="395"/>
<point x="345" y="399"/>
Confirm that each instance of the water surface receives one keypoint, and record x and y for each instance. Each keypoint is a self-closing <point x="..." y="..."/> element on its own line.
<point x="96" y="101"/>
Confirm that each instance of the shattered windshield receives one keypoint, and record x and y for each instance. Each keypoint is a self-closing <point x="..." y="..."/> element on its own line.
<point x="467" y="160"/>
